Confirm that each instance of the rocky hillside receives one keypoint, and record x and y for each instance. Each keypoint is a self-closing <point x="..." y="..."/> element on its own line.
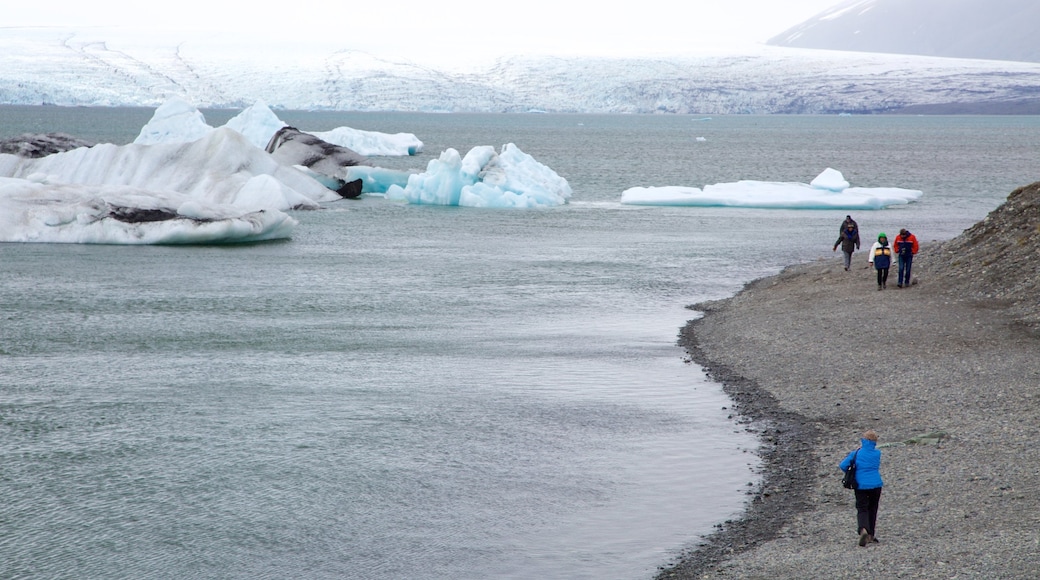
<point x="997" y="261"/>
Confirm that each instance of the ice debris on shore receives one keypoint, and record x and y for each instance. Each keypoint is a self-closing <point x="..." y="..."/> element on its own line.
<point x="829" y="190"/>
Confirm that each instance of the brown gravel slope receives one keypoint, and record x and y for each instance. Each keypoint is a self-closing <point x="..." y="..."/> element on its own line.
<point x="816" y="355"/>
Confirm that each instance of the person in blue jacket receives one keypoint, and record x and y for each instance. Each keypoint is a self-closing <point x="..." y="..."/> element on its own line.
<point x="868" y="485"/>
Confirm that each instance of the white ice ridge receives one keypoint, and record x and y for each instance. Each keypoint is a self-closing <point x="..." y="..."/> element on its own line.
<point x="33" y="210"/>
<point x="179" y="121"/>
<point x="221" y="168"/>
<point x="217" y="189"/>
<point x="829" y="190"/>
<point x="484" y="178"/>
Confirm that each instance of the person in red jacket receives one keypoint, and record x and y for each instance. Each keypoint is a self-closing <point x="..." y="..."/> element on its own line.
<point x="906" y="247"/>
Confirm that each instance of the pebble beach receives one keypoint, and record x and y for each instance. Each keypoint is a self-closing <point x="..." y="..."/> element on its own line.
<point x="816" y="355"/>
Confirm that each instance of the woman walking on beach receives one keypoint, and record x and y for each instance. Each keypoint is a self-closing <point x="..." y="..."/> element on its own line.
<point x="881" y="257"/>
<point x="849" y="240"/>
<point x="868" y="485"/>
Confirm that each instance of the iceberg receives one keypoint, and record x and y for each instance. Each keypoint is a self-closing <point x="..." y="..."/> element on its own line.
<point x="221" y="168"/>
<point x="372" y="143"/>
<point x="484" y="178"/>
<point x="831" y="180"/>
<point x="829" y="190"/>
<point x="177" y="121"/>
<point x="257" y="123"/>
<point x="34" y="210"/>
<point x="377" y="180"/>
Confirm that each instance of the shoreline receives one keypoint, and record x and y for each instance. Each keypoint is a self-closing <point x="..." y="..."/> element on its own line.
<point x="814" y="356"/>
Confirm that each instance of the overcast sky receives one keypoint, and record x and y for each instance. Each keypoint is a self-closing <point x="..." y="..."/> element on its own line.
<point x="441" y="29"/>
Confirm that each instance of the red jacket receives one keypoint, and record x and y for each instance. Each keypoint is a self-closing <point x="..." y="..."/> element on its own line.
<point x="909" y="239"/>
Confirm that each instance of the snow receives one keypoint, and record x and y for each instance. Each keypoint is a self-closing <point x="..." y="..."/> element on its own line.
<point x="829" y="190"/>
<point x="484" y="178"/>
<point x="79" y="66"/>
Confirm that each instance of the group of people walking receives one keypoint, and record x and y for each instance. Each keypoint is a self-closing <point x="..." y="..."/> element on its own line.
<point x="904" y="247"/>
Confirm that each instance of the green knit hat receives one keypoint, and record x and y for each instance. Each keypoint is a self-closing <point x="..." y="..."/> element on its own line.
<point x="882" y="235"/>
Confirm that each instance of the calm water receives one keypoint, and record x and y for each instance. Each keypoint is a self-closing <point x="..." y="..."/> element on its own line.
<point x="415" y="392"/>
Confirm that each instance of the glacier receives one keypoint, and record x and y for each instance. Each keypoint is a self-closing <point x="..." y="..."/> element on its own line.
<point x="111" y="67"/>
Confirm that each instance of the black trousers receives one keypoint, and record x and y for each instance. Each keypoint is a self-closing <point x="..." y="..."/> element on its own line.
<point x="882" y="276"/>
<point x="867" y="501"/>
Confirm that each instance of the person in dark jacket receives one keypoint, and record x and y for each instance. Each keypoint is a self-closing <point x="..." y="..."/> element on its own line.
<point x="844" y="224"/>
<point x="868" y="485"/>
<point x="881" y="257"/>
<point x="849" y="240"/>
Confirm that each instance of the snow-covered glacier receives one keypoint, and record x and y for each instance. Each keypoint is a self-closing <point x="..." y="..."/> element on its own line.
<point x="75" y="67"/>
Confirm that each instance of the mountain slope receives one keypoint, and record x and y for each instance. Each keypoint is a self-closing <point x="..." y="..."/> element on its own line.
<point x="977" y="29"/>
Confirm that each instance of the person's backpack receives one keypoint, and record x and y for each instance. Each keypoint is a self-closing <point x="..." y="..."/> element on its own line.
<point x="849" y="480"/>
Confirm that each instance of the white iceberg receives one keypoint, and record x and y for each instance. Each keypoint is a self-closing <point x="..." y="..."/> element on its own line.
<point x="831" y="180"/>
<point x="221" y="168"/>
<point x="33" y="210"/>
<point x="177" y="121"/>
<point x="257" y="123"/>
<point x="484" y="178"/>
<point x="372" y="143"/>
<point x="828" y="191"/>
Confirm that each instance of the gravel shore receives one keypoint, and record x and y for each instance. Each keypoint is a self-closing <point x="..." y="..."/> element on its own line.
<point x="816" y="355"/>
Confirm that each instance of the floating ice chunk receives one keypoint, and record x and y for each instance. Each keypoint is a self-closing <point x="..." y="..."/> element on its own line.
<point x="220" y="168"/>
<point x="257" y="123"/>
<point x="441" y="184"/>
<point x="175" y="121"/>
<point x="103" y="214"/>
<point x="484" y="178"/>
<point x="830" y="179"/>
<point x="372" y="142"/>
<point x="377" y="180"/>
<point x="764" y="194"/>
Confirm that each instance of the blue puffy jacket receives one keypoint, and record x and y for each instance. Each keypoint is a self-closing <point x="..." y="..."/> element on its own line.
<point x="868" y="465"/>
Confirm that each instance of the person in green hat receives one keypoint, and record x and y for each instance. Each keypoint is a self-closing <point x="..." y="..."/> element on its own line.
<point x="880" y="255"/>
